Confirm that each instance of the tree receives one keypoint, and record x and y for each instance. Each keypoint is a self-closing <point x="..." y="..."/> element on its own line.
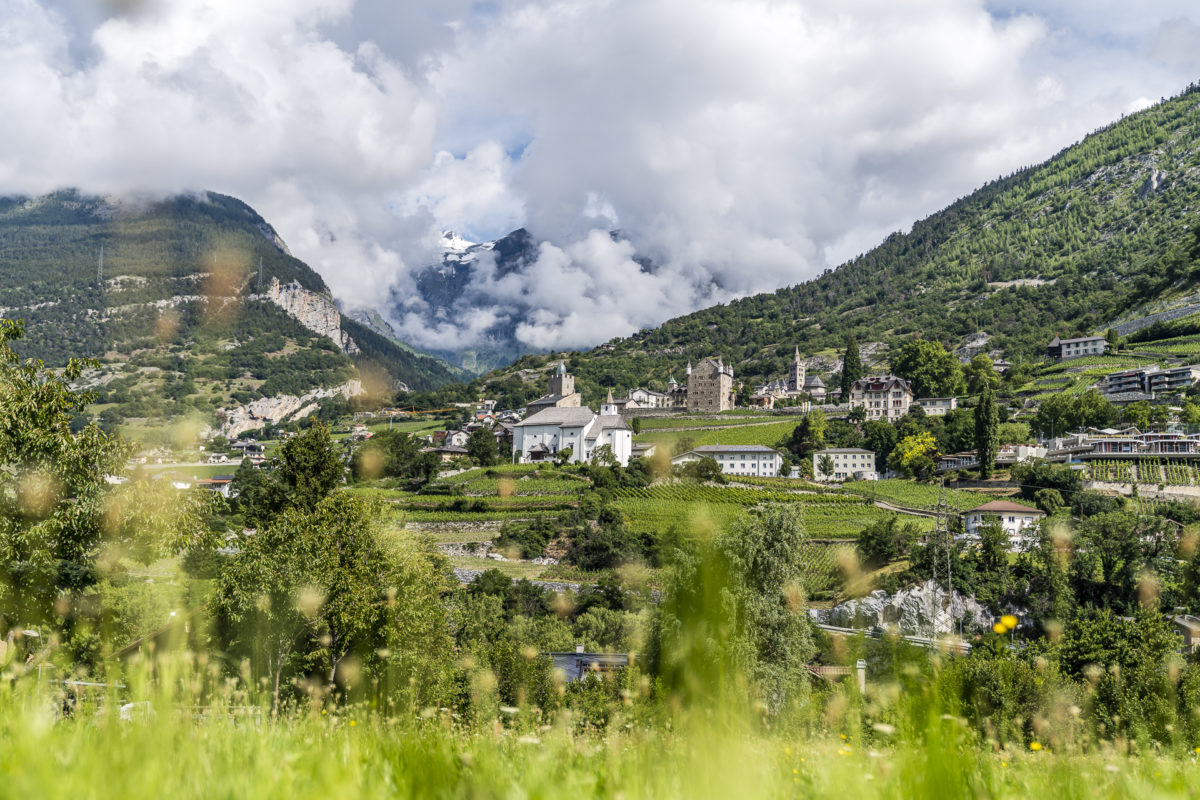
<point x="1137" y="414"/>
<point x="764" y="558"/>
<point x="981" y="373"/>
<point x="885" y="540"/>
<point x="825" y="466"/>
<point x="307" y="590"/>
<point x="880" y="438"/>
<point x="604" y="456"/>
<point x="852" y="367"/>
<point x="930" y="370"/>
<point x="987" y="421"/>
<point x="481" y="447"/>
<point x="1059" y="414"/>
<point x="309" y="467"/>
<point x="809" y="435"/>
<point x="913" y="455"/>
<point x="57" y="510"/>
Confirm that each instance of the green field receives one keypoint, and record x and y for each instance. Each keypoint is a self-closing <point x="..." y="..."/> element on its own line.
<point x="667" y="423"/>
<point x="764" y="434"/>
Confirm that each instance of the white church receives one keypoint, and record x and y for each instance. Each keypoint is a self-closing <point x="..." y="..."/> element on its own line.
<point x="544" y="434"/>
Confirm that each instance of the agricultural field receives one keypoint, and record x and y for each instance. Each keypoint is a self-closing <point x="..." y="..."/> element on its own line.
<point x="1113" y="471"/>
<point x="909" y="494"/>
<point x="667" y="423"/>
<point x="768" y="434"/>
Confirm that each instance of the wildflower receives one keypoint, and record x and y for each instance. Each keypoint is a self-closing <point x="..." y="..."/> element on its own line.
<point x="1004" y="763"/>
<point x="843" y="737"/>
<point x="351" y="723"/>
<point x="795" y="772"/>
<point x="787" y="751"/>
<point x="1009" y="621"/>
<point x="1035" y="746"/>
<point x="1000" y="628"/>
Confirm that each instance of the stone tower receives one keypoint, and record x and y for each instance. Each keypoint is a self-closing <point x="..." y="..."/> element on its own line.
<point x="710" y="387"/>
<point x="561" y="382"/>
<point x="795" y="381"/>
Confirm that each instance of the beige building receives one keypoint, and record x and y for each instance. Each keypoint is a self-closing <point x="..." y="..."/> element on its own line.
<point x="1015" y="519"/>
<point x="561" y="393"/>
<point x="884" y="397"/>
<point x="848" y="463"/>
<point x="710" y="386"/>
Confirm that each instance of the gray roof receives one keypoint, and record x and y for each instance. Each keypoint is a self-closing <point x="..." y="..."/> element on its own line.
<point x="814" y="380"/>
<point x="845" y="450"/>
<point x="1080" y="339"/>
<point x="570" y="417"/>
<point x="547" y="398"/>
<point x="734" y="448"/>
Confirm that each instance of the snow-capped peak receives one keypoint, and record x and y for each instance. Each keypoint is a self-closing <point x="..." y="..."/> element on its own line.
<point x="453" y="243"/>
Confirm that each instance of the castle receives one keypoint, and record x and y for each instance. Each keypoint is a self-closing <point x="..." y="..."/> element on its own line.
<point x="710" y="386"/>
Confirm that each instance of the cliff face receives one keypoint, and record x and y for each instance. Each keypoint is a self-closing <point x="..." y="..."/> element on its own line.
<point x="312" y="310"/>
<point x="271" y="410"/>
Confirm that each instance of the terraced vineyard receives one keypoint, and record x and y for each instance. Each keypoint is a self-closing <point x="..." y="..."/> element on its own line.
<point x="1113" y="471"/>
<point x="703" y="493"/>
<point x="910" y="494"/>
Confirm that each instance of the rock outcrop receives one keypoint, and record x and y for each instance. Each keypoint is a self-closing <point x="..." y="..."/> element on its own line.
<point x="271" y="410"/>
<point x="923" y="610"/>
<point x="312" y="310"/>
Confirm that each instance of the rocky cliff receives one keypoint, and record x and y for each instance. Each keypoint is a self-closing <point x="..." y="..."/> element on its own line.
<point x="924" y="610"/>
<point x="313" y="310"/>
<point x="271" y="410"/>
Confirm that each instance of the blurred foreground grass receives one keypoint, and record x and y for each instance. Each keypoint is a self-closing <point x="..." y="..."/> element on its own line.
<point x="177" y="750"/>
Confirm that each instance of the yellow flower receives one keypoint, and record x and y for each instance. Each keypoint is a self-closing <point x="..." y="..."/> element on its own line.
<point x="795" y="772"/>
<point x="1035" y="745"/>
<point x="843" y="737"/>
<point x="787" y="751"/>
<point x="1009" y="621"/>
<point x="1000" y="628"/>
<point x="351" y="723"/>
<point x="1004" y="763"/>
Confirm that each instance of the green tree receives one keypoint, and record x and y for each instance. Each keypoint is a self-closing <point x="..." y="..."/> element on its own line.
<point x="309" y="467"/>
<point x="481" y="447"/>
<point x="825" y="466"/>
<point x="987" y="421"/>
<point x="914" y="455"/>
<point x="58" y="513"/>
<point x="852" y="367"/>
<point x="1137" y="414"/>
<point x="809" y="435"/>
<point x="1060" y="414"/>
<point x="766" y="569"/>
<point x="308" y="590"/>
<point x="981" y="373"/>
<point x="885" y="540"/>
<point x="930" y="370"/>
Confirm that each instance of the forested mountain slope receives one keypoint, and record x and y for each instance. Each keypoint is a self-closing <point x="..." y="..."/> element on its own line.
<point x="170" y="295"/>
<point x="1097" y="232"/>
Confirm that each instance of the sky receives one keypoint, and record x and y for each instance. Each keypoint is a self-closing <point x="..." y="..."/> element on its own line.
<point x="742" y="145"/>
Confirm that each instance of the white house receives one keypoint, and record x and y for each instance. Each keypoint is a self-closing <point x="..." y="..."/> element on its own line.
<point x="848" y="462"/>
<point x="1014" y="518"/>
<point x="937" y="406"/>
<point x="541" y="436"/>
<point x="882" y="396"/>
<point x="737" y="459"/>
<point x="1063" y="349"/>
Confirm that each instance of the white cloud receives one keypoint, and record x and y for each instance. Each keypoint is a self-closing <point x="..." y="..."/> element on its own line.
<point x="741" y="146"/>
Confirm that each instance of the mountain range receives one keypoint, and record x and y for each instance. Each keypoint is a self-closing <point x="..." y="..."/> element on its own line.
<point x="192" y="305"/>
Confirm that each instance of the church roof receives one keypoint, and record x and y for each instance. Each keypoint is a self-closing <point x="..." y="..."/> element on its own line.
<point x="569" y="417"/>
<point x="814" y="381"/>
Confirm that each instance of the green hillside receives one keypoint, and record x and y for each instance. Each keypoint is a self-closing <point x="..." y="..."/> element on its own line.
<point x="171" y="316"/>
<point x="1101" y="232"/>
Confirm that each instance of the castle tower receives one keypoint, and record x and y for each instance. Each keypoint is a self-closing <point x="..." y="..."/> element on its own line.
<point x="562" y="383"/>
<point x="796" y="376"/>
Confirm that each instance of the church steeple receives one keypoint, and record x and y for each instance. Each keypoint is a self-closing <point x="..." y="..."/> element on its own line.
<point x="609" y="407"/>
